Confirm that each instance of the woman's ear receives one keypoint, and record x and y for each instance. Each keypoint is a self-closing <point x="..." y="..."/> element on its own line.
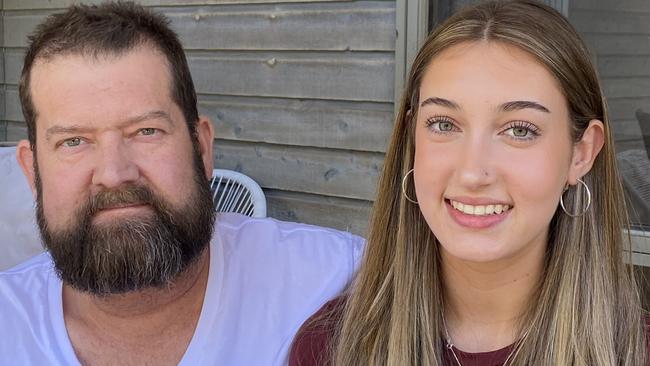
<point x="25" y="157"/>
<point x="586" y="150"/>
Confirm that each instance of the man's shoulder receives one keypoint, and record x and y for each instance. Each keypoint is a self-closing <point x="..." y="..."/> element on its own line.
<point x="24" y="291"/>
<point x="241" y="230"/>
<point x="25" y="280"/>
<point x="39" y="265"/>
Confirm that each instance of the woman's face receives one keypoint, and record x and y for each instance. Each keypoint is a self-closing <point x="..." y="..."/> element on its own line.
<point x="493" y="151"/>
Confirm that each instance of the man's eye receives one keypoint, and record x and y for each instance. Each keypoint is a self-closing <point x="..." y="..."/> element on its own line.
<point x="148" y="131"/>
<point x="75" y="141"/>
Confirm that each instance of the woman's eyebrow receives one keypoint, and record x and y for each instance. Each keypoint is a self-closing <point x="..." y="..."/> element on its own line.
<point x="522" y="104"/>
<point x="505" y="107"/>
<point x="441" y="102"/>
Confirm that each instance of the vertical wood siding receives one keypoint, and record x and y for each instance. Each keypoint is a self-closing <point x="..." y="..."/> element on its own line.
<point x="300" y="93"/>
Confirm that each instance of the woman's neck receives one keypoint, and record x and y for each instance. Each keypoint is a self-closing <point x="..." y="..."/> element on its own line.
<point x="485" y="302"/>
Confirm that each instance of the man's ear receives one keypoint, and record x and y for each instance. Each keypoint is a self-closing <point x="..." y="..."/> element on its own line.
<point x="25" y="157"/>
<point x="205" y="133"/>
<point x="586" y="150"/>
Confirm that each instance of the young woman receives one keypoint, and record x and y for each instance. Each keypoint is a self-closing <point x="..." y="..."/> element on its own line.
<point x="497" y="233"/>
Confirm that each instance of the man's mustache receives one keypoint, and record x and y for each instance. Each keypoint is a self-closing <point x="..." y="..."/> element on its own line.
<point x="123" y="196"/>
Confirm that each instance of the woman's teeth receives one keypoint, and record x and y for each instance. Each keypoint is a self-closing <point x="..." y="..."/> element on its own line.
<point x="479" y="210"/>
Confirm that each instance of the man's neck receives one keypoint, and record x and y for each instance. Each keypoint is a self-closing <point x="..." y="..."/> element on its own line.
<point x="486" y="301"/>
<point x="140" y="321"/>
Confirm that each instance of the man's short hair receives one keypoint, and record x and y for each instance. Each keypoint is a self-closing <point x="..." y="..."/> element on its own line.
<point x="109" y="29"/>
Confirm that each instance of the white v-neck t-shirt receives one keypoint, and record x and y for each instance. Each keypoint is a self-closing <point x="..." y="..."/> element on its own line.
<point x="266" y="277"/>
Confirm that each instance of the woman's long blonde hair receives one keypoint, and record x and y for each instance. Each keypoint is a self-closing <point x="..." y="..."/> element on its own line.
<point x="586" y="310"/>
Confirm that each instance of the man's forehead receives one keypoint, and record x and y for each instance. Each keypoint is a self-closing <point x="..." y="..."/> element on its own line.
<point x="78" y="86"/>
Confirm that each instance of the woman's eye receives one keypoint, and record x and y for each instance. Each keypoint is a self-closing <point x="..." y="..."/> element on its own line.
<point x="441" y="125"/>
<point x="522" y="131"/>
<point x="519" y="131"/>
<point x="445" y="126"/>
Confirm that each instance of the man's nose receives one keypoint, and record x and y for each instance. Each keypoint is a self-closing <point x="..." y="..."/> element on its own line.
<point x="476" y="163"/>
<point x="115" y="165"/>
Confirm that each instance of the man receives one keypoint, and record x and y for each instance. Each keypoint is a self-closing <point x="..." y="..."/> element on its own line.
<point x="138" y="269"/>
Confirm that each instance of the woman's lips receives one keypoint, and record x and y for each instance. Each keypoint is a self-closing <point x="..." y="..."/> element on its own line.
<point x="477" y="216"/>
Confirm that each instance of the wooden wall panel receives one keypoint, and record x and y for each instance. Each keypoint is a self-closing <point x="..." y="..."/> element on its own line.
<point x="624" y="108"/>
<point x="13" y="62"/>
<point x="16" y="131"/>
<point x="328" y="172"/>
<point x="609" y="5"/>
<point x="624" y="65"/>
<point x="353" y="26"/>
<point x="13" y="111"/>
<point x="355" y="76"/>
<point x="611" y="22"/>
<point x="627" y="87"/>
<point x="343" y="214"/>
<point x="55" y="4"/>
<point x="325" y="124"/>
<point x="333" y="27"/>
<point x="617" y="44"/>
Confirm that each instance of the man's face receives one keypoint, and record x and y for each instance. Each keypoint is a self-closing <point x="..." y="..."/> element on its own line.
<point x="123" y="201"/>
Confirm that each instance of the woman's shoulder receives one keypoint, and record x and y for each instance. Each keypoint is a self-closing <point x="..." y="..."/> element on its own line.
<point x="313" y="342"/>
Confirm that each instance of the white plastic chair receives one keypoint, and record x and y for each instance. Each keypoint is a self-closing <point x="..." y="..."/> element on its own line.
<point x="19" y="237"/>
<point x="237" y="192"/>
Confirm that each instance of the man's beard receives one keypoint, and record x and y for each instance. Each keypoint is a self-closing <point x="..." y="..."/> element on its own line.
<point x="134" y="253"/>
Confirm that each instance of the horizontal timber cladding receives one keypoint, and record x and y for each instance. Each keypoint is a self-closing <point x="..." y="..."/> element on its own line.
<point x="607" y="5"/>
<point x="16" y="131"/>
<point x="13" y="111"/>
<point x="345" y="214"/>
<point x="358" y="76"/>
<point x="624" y="65"/>
<point x="618" y="44"/>
<point x="328" y="172"/>
<point x="52" y="4"/>
<point x="355" y="76"/>
<point x="318" y="123"/>
<point x="340" y="26"/>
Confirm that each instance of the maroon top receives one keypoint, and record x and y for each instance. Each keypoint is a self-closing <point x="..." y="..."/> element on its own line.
<point x="311" y="345"/>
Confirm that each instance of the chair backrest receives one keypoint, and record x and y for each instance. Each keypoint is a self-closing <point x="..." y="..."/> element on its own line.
<point x="19" y="237"/>
<point x="237" y="192"/>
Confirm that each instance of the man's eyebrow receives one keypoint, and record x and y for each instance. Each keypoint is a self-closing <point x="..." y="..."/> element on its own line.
<point x="157" y="114"/>
<point x="77" y="129"/>
<point x="441" y="102"/>
<point x="522" y="104"/>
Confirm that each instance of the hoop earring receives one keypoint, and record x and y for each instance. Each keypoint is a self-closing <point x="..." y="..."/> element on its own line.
<point x="588" y="201"/>
<point x="404" y="187"/>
